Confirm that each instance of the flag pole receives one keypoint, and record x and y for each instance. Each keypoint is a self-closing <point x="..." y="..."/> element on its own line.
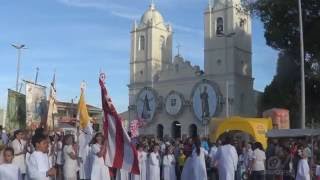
<point x="82" y="90"/>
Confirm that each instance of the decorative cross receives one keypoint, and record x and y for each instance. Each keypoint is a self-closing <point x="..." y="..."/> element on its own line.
<point x="178" y="48"/>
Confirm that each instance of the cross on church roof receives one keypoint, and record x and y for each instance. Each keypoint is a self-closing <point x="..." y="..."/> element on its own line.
<point x="178" y="48"/>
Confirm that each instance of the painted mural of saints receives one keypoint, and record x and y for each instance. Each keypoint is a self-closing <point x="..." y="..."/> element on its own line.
<point x="146" y="108"/>
<point x="205" y="103"/>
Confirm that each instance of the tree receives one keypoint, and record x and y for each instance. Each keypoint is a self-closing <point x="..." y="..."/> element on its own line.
<point x="281" y="23"/>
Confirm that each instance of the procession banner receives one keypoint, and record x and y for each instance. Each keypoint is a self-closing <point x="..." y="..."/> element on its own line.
<point x="36" y="104"/>
<point x="16" y="110"/>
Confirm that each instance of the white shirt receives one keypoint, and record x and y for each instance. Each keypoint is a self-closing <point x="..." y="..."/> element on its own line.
<point x="213" y="152"/>
<point x="10" y="172"/>
<point x="19" y="160"/>
<point x="303" y="170"/>
<point x="38" y="166"/>
<point x="247" y="157"/>
<point x="259" y="158"/>
<point x="318" y="170"/>
<point x="227" y="159"/>
<point x="4" y="138"/>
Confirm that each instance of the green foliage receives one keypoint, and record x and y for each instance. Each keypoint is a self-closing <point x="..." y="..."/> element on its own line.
<point x="281" y="23"/>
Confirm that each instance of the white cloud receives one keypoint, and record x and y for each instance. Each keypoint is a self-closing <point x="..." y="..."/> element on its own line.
<point x="114" y="9"/>
<point x="186" y="29"/>
<point x="126" y="15"/>
<point x="100" y="4"/>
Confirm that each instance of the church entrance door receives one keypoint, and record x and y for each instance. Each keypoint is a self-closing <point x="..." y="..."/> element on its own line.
<point x="193" y="130"/>
<point x="176" y="129"/>
<point x="160" y="131"/>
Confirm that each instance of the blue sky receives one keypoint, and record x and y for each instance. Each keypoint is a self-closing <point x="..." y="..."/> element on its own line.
<point x="77" y="38"/>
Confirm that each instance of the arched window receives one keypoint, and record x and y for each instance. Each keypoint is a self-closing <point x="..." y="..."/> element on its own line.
<point x="219" y="30"/>
<point x="141" y="43"/>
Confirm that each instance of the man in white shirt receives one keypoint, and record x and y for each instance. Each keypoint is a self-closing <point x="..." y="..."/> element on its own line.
<point x="226" y="160"/>
<point x="258" y="164"/>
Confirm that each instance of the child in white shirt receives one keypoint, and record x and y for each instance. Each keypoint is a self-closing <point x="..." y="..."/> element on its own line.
<point x="8" y="170"/>
<point x="38" y="162"/>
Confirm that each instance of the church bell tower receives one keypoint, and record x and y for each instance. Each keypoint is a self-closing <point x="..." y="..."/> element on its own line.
<point x="227" y="52"/>
<point x="151" y="50"/>
<point x="227" y="40"/>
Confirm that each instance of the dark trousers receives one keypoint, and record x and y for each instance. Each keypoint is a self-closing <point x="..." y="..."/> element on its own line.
<point x="258" y="175"/>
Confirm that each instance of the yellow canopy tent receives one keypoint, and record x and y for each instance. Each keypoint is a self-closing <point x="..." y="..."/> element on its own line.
<point x="256" y="127"/>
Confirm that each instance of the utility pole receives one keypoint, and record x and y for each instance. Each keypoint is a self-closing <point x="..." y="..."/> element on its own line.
<point x="37" y="73"/>
<point x="18" y="47"/>
<point x="303" y="91"/>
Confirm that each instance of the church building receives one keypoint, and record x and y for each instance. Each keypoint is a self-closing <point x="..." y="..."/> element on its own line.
<point x="176" y="98"/>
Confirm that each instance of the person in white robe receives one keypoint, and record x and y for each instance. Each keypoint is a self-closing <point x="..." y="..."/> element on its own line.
<point x="187" y="171"/>
<point x="154" y="164"/>
<point x="169" y="165"/>
<point x="3" y="136"/>
<point x="59" y="152"/>
<point x="198" y="160"/>
<point x="195" y="166"/>
<point x="8" y="170"/>
<point x="19" y="147"/>
<point x="85" y="137"/>
<point x="303" y="170"/>
<point x="99" y="169"/>
<point x="70" y="166"/>
<point x="142" y="158"/>
<point x="38" y="163"/>
<point x="226" y="160"/>
<point x="122" y="175"/>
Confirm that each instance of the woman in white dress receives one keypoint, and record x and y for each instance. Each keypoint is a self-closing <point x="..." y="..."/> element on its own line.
<point x="169" y="165"/>
<point x="19" y="147"/>
<point x="99" y="169"/>
<point x="198" y="161"/>
<point x="154" y="164"/>
<point x="70" y="159"/>
<point x="142" y="158"/>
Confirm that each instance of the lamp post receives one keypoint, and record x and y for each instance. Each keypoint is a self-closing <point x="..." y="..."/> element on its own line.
<point x="205" y="121"/>
<point x="303" y="98"/>
<point x="229" y="35"/>
<point x="18" y="47"/>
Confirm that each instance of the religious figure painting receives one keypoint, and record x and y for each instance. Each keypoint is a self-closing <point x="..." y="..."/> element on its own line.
<point x="205" y="103"/>
<point x="204" y="100"/>
<point x="146" y="104"/>
<point x="146" y="108"/>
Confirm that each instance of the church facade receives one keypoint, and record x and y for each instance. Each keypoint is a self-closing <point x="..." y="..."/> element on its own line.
<point x="176" y="98"/>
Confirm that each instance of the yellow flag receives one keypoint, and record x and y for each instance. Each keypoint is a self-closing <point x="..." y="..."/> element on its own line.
<point x="83" y="112"/>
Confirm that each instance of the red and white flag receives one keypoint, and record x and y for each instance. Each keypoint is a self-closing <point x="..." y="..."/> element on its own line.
<point x="120" y="152"/>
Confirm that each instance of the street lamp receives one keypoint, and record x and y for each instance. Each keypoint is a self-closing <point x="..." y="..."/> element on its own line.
<point x="18" y="47"/>
<point x="303" y="93"/>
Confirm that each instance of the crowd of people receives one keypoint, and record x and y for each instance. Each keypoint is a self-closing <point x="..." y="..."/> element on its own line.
<point x="42" y="155"/>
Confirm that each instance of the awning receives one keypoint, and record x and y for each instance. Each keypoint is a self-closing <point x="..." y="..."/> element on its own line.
<point x="292" y="133"/>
